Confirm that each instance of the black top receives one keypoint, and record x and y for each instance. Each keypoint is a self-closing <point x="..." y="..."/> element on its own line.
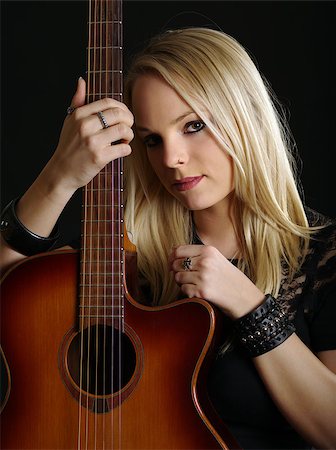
<point x="234" y="385"/>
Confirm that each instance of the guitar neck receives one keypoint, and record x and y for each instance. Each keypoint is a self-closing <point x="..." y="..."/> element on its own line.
<point x="101" y="275"/>
<point x="105" y="63"/>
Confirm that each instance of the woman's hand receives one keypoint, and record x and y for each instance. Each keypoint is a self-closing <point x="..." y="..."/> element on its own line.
<point x="85" y="146"/>
<point x="213" y="277"/>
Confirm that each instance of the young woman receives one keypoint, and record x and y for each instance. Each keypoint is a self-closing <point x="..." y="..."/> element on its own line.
<point x="214" y="210"/>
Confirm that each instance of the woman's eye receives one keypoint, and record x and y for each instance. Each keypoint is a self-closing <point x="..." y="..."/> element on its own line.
<point x="152" y="140"/>
<point x="195" y="126"/>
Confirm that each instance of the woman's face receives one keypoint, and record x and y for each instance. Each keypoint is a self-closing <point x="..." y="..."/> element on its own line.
<point x="184" y="155"/>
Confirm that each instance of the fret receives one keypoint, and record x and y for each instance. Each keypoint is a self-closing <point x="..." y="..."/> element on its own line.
<point x="106" y="295"/>
<point x="107" y="195"/>
<point x="107" y="34"/>
<point x="102" y="95"/>
<point x="91" y="226"/>
<point x="108" y="179"/>
<point x="96" y="316"/>
<point x="101" y="47"/>
<point x="107" y="206"/>
<point x="93" y="249"/>
<point x="104" y="189"/>
<point x="97" y="248"/>
<point x="99" y="235"/>
<point x="105" y="58"/>
<point x="100" y="246"/>
<point x="112" y="220"/>
<point x="106" y="21"/>
<point x="95" y="230"/>
<point x="97" y="294"/>
<point x="101" y="285"/>
<point x="100" y="253"/>
<point x="103" y="71"/>
<point x="104" y="80"/>
<point x="97" y="221"/>
<point x="102" y="306"/>
<point x="106" y="11"/>
<point x="103" y="202"/>
<point x="106" y="176"/>
<point x="98" y="265"/>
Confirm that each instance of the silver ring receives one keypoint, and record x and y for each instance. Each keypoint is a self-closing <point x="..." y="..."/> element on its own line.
<point x="102" y="119"/>
<point x="187" y="263"/>
<point x="70" y="110"/>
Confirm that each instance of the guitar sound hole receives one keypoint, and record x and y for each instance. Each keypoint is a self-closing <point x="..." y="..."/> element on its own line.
<point x="108" y="360"/>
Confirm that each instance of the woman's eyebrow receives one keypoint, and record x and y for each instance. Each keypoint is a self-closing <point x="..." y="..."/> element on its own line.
<point x="173" y="122"/>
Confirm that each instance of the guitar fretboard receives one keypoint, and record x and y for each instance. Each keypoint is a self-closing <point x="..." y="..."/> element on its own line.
<point x="102" y="254"/>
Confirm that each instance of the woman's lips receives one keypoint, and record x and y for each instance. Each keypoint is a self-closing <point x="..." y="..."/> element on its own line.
<point x="187" y="183"/>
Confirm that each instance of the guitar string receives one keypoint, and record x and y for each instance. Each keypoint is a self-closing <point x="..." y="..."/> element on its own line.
<point x="84" y="257"/>
<point x="112" y="175"/>
<point x="92" y="186"/>
<point x="116" y="163"/>
<point x="99" y="43"/>
<point x="105" y="234"/>
<point x="121" y="243"/>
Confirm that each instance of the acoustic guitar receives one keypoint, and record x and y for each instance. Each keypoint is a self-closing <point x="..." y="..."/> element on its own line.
<point x="84" y="365"/>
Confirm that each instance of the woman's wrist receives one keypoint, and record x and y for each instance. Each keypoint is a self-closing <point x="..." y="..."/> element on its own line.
<point x="251" y="298"/>
<point x="20" y="238"/>
<point x="263" y="328"/>
<point x="52" y="185"/>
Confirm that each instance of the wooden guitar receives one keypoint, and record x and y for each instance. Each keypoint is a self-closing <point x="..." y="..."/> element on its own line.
<point x="84" y="366"/>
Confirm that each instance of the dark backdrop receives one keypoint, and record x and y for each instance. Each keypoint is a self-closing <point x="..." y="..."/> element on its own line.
<point x="43" y="54"/>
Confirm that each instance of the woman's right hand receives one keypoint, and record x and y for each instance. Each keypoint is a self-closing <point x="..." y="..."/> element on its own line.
<point x="85" y="146"/>
<point x="83" y="150"/>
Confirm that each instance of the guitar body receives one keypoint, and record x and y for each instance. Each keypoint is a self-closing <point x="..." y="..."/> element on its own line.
<point x="161" y="405"/>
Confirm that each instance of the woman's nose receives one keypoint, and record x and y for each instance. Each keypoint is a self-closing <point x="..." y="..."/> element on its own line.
<point x="174" y="153"/>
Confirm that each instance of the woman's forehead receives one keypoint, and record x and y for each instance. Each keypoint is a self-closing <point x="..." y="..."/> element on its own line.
<point x="153" y="99"/>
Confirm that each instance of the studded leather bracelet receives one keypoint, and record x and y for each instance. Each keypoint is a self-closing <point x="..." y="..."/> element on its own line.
<point x="20" y="238"/>
<point x="264" y="328"/>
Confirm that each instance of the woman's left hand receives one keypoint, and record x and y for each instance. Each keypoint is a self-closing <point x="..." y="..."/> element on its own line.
<point x="213" y="277"/>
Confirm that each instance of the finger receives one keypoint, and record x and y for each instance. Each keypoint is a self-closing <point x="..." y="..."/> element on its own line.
<point x="178" y="265"/>
<point x="96" y="137"/>
<point x="100" y="105"/>
<point x="182" y="278"/>
<point x="79" y="97"/>
<point x="119" y="133"/>
<point x="112" y="116"/>
<point x="189" y="290"/>
<point x="183" y="251"/>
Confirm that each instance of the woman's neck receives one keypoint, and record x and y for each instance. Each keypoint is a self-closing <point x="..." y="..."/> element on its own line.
<point x="215" y="227"/>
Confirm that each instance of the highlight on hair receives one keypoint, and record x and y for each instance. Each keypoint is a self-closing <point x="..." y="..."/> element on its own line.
<point x="213" y="73"/>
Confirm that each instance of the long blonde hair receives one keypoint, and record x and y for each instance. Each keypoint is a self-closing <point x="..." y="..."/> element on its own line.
<point x="212" y="72"/>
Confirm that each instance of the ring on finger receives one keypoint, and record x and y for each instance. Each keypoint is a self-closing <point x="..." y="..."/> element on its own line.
<point x="102" y="119"/>
<point x="70" y="110"/>
<point x="187" y="263"/>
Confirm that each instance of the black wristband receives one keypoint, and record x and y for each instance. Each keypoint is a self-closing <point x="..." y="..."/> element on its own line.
<point x="20" y="238"/>
<point x="264" y="328"/>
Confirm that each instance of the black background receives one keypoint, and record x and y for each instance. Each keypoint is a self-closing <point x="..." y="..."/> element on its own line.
<point x="43" y="53"/>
